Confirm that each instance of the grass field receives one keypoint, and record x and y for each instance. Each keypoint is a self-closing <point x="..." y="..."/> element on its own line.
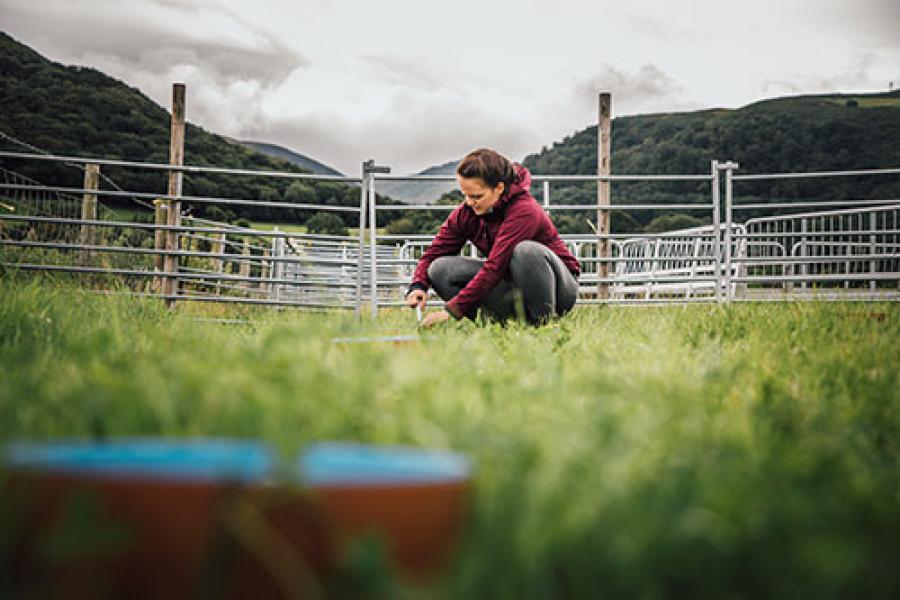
<point x="285" y="227"/>
<point x="705" y="451"/>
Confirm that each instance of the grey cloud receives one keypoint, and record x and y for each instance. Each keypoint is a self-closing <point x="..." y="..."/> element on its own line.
<point x="857" y="76"/>
<point x="649" y="25"/>
<point x="223" y="63"/>
<point x="871" y="22"/>
<point x="647" y="89"/>
<point x="882" y="18"/>
<point x="426" y="136"/>
<point x="444" y="127"/>
<point x="404" y="72"/>
<point x="146" y="44"/>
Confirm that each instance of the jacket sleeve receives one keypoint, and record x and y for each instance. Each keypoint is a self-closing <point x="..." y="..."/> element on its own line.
<point x="519" y="224"/>
<point x="449" y="241"/>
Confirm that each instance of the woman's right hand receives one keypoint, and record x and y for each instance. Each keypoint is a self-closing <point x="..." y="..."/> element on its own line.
<point x="416" y="298"/>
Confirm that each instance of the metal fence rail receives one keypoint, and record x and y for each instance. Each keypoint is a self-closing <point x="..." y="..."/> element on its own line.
<point x="798" y="249"/>
<point x="841" y="250"/>
<point x="847" y="249"/>
<point x="389" y="291"/>
<point x="213" y="261"/>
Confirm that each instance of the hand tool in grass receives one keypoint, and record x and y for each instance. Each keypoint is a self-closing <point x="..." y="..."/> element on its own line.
<point x="392" y="339"/>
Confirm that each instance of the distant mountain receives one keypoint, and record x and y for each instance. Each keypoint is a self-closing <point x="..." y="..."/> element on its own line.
<point x="304" y="162"/>
<point x="408" y="192"/>
<point x="421" y="192"/>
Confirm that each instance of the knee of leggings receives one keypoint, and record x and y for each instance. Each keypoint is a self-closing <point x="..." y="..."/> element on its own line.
<point x="527" y="251"/>
<point x="437" y="271"/>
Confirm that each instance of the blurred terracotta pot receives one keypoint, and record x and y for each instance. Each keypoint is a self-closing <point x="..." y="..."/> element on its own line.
<point x="414" y="500"/>
<point x="147" y="518"/>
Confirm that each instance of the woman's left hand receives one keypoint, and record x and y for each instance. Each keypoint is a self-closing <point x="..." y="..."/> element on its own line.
<point x="434" y="318"/>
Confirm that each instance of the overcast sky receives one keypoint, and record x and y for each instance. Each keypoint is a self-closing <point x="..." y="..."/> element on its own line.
<point x="414" y="83"/>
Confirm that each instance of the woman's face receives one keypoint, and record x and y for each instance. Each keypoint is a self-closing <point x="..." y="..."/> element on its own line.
<point x="479" y="196"/>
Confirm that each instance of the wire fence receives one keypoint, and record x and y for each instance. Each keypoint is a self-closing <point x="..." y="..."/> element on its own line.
<point x="847" y="250"/>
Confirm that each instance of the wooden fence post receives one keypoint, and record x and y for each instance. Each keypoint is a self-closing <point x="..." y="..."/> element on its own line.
<point x="173" y="212"/>
<point x="10" y="208"/>
<point x="265" y="270"/>
<point x="278" y="266"/>
<point x="4" y="207"/>
<point x="159" y="242"/>
<point x="218" y="247"/>
<point x="245" y="265"/>
<point x="604" y="151"/>
<point x="88" y="233"/>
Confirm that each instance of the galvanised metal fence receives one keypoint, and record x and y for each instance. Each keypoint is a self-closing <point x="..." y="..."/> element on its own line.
<point x="214" y="262"/>
<point x="835" y="249"/>
<point x="689" y="254"/>
<point x="842" y="250"/>
<point x="596" y="285"/>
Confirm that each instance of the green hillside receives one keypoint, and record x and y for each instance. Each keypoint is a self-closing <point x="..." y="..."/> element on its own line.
<point x="79" y="111"/>
<point x="805" y="133"/>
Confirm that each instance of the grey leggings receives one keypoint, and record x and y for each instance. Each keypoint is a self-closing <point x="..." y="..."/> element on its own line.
<point x="537" y="276"/>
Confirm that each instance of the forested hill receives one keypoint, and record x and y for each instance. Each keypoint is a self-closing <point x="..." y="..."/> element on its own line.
<point x="784" y="134"/>
<point x="80" y="111"/>
<point x="803" y="133"/>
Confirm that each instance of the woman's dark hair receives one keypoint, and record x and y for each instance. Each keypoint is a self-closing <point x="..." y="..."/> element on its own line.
<point x="489" y="166"/>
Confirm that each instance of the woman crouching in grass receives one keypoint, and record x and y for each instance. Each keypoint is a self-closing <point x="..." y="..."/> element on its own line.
<point x="528" y="267"/>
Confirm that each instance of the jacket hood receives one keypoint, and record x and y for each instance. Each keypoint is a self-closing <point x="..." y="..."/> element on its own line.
<point x="520" y="185"/>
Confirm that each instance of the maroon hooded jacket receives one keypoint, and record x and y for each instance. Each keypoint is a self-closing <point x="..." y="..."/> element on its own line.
<point x="515" y="217"/>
